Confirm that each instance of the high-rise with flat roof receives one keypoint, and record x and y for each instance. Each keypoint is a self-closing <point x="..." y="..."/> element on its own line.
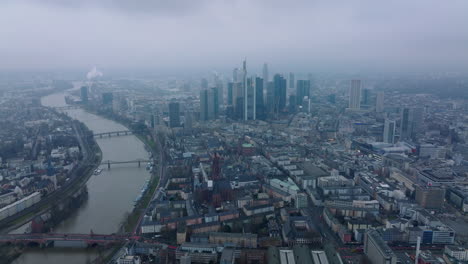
<point x="209" y="104"/>
<point x="291" y="80"/>
<point x="417" y="120"/>
<point x="259" y="101"/>
<point x="405" y="124"/>
<point x="279" y="86"/>
<point x="355" y="95"/>
<point x="389" y="131"/>
<point x="430" y="197"/>
<point x="213" y="104"/>
<point x="230" y="93"/>
<point x="250" y="99"/>
<point x="265" y="75"/>
<point x="174" y="114"/>
<point x="302" y="90"/>
<point x="270" y="100"/>
<point x="204" y="105"/>
<point x="377" y="250"/>
<point x="366" y="97"/>
<point x="379" y="102"/>
<point x="220" y="90"/>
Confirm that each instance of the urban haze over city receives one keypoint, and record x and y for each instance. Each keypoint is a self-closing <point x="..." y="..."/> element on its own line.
<point x="204" y="131"/>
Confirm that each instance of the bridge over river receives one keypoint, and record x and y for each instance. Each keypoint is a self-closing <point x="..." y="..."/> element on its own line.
<point x="113" y="133"/>
<point x="137" y="161"/>
<point x="69" y="240"/>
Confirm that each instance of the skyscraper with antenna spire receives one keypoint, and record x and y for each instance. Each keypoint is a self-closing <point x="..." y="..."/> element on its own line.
<point x="244" y="81"/>
<point x="265" y="75"/>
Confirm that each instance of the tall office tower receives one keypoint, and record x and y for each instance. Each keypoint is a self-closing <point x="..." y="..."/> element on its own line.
<point x="204" y="105"/>
<point x="366" y="97"/>
<point x="355" y="95"/>
<point x="174" y="114"/>
<point x="311" y="79"/>
<point x="305" y="106"/>
<point x="291" y="80"/>
<point x="209" y="105"/>
<point x="188" y="120"/>
<point x="279" y="83"/>
<point x="379" y="102"/>
<point x="230" y="93"/>
<point x="237" y="92"/>
<point x="220" y="88"/>
<point x="418" y="120"/>
<point x="213" y="104"/>
<point x="389" y="131"/>
<point x="239" y="108"/>
<point x="107" y="98"/>
<point x="406" y="124"/>
<point x="270" y="100"/>
<point x="265" y="75"/>
<point x="377" y="250"/>
<point x="292" y="103"/>
<point x="244" y="81"/>
<point x="84" y="94"/>
<point x="250" y="111"/>
<point x="238" y="99"/>
<point x="259" y="101"/>
<point x="235" y="75"/>
<point x="302" y="90"/>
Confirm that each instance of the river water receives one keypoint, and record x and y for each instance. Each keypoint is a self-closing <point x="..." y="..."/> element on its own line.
<point x="111" y="194"/>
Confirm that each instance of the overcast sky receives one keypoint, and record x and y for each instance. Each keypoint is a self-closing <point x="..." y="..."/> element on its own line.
<point x="303" y="34"/>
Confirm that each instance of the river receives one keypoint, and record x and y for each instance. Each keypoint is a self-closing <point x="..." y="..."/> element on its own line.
<point x="111" y="194"/>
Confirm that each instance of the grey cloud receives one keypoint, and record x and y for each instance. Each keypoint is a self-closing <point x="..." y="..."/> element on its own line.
<point x="417" y="34"/>
<point x="160" y="7"/>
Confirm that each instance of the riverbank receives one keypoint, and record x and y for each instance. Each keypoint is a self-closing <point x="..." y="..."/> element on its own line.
<point x="78" y="178"/>
<point x="111" y="193"/>
<point x="129" y="225"/>
<point x="66" y="195"/>
<point x="9" y="254"/>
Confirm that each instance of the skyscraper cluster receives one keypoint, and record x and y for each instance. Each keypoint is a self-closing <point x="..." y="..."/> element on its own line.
<point x="250" y="97"/>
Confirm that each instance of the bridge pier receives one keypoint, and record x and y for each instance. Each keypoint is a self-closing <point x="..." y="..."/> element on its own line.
<point x="110" y="134"/>
<point x="139" y="164"/>
<point x="100" y="136"/>
<point x="108" y="165"/>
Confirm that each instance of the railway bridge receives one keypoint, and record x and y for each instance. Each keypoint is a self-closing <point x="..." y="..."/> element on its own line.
<point x="67" y="240"/>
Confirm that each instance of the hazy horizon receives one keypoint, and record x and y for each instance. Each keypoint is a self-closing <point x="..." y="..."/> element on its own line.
<point x="414" y="36"/>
